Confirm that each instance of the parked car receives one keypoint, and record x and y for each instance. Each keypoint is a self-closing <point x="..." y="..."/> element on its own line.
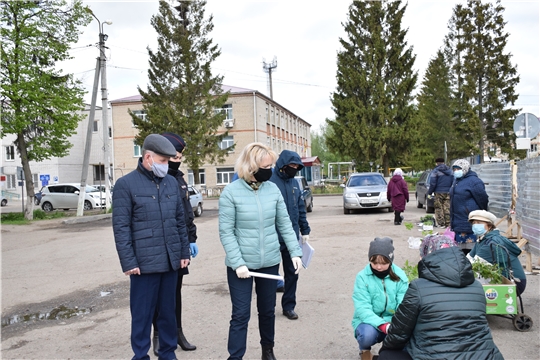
<point x="66" y="196"/>
<point x="365" y="191"/>
<point x="102" y="188"/>
<point x="422" y="187"/>
<point x="3" y="202"/>
<point x="196" y="200"/>
<point x="306" y="192"/>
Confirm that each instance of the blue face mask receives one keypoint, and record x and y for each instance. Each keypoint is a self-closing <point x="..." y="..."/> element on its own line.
<point x="159" y="170"/>
<point x="478" y="229"/>
<point x="458" y="174"/>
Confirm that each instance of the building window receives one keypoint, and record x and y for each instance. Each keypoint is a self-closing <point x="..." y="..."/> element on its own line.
<point x="141" y="114"/>
<point x="226" y="143"/>
<point x="11" y="182"/>
<point x="267" y="115"/>
<point x="224" y="176"/>
<point x="10" y="153"/>
<point x="95" y="125"/>
<point x="227" y="111"/>
<point x="35" y="180"/>
<point x="136" y="150"/>
<point x="99" y="173"/>
<point x="191" y="179"/>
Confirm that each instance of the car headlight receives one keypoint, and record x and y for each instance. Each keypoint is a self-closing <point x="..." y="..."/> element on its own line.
<point x="350" y="195"/>
<point x="383" y="195"/>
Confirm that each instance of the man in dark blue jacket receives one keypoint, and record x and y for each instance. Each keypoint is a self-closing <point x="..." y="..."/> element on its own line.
<point x="152" y="244"/>
<point x="440" y="183"/>
<point x="287" y="165"/>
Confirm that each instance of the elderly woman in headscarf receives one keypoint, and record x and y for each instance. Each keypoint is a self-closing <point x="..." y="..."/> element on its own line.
<point x="397" y="193"/>
<point x="443" y="313"/>
<point x="467" y="194"/>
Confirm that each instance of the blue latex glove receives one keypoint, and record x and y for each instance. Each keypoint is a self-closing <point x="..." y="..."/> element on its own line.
<point x="194" y="249"/>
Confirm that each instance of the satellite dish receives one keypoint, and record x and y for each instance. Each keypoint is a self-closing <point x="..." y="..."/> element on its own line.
<point x="524" y="122"/>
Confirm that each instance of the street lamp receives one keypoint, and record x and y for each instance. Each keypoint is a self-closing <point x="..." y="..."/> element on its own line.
<point x="100" y="68"/>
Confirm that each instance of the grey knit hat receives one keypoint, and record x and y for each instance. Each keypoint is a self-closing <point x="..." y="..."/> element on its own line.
<point x="382" y="246"/>
<point x="463" y="165"/>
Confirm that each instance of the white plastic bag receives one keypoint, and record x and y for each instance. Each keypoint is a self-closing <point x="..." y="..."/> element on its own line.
<point x="414" y="243"/>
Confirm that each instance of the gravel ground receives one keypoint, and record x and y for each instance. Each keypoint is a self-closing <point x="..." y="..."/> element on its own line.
<point x="72" y="272"/>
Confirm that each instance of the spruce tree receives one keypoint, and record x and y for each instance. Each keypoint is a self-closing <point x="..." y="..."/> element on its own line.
<point x="40" y="105"/>
<point x="373" y="99"/>
<point x="434" y="117"/>
<point x="484" y="78"/>
<point x="183" y="95"/>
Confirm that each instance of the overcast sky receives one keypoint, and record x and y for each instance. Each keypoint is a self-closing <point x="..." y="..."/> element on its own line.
<point x="304" y="37"/>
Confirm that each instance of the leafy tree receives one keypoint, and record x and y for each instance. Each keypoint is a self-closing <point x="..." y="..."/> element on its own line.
<point x="182" y="95"/>
<point x="39" y="104"/>
<point x="484" y="78"/>
<point x="433" y="121"/>
<point x="373" y="99"/>
<point x="320" y="149"/>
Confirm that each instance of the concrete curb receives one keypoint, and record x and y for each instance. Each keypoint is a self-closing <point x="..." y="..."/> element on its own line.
<point x="86" y="219"/>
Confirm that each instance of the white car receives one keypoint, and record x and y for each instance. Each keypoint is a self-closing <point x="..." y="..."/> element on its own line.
<point x="66" y="196"/>
<point x="196" y="200"/>
<point x="4" y="201"/>
<point x="365" y="191"/>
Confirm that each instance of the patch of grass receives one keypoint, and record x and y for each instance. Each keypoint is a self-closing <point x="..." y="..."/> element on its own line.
<point x="17" y="218"/>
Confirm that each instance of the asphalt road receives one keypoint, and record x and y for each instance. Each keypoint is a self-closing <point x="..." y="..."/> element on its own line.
<point x="63" y="270"/>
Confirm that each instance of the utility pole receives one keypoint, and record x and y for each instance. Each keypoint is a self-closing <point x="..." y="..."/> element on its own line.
<point x="105" y="117"/>
<point x="100" y="65"/>
<point x="268" y="67"/>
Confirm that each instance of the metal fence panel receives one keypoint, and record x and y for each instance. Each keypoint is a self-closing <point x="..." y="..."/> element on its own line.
<point x="528" y="201"/>
<point x="498" y="180"/>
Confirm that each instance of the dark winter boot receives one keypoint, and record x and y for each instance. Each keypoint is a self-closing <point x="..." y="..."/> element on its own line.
<point x="155" y="343"/>
<point x="184" y="344"/>
<point x="268" y="353"/>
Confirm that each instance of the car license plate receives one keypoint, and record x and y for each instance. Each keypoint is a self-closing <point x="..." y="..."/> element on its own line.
<point x="369" y="201"/>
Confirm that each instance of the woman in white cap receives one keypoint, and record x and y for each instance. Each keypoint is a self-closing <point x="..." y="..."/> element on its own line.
<point x="467" y="194"/>
<point x="378" y="290"/>
<point x="489" y="238"/>
<point x="443" y="313"/>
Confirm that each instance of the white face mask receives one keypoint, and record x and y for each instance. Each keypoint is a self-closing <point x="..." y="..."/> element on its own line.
<point x="458" y="174"/>
<point x="159" y="170"/>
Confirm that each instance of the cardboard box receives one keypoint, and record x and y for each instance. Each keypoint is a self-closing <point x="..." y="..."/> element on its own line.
<point x="501" y="298"/>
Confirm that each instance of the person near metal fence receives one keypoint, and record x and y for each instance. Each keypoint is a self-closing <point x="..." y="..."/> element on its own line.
<point x="468" y="193"/>
<point x="440" y="183"/>
<point x="497" y="249"/>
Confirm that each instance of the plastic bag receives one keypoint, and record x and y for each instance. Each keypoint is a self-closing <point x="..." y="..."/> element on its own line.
<point x="414" y="243"/>
<point x="449" y="233"/>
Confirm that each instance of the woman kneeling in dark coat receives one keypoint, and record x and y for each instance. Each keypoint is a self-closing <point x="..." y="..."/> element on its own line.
<point x="443" y="313"/>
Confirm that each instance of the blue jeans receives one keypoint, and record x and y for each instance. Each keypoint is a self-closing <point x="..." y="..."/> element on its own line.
<point x="149" y="292"/>
<point x="240" y="291"/>
<point x="288" y="300"/>
<point x="367" y="336"/>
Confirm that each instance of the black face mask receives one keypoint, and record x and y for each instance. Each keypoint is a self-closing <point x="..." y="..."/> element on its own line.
<point x="174" y="165"/>
<point x="263" y="175"/>
<point x="380" y="274"/>
<point x="291" y="172"/>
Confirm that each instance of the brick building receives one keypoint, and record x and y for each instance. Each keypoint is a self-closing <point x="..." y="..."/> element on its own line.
<point x="249" y="116"/>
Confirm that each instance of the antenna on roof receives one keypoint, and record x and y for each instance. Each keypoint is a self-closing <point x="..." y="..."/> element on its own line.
<point x="268" y="67"/>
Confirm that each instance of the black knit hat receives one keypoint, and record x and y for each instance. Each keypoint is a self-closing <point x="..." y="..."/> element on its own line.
<point x="439" y="160"/>
<point x="177" y="141"/>
<point x="382" y="246"/>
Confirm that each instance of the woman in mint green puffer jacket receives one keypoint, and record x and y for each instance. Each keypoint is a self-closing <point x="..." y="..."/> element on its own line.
<point x="250" y="210"/>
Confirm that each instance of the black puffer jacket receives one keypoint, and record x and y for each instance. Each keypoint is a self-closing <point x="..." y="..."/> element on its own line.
<point x="443" y="314"/>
